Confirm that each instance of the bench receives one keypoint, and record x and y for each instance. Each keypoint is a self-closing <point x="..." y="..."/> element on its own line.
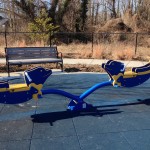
<point x="32" y="55"/>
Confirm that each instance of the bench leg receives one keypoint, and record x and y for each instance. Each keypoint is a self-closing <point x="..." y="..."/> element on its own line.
<point x="8" y="69"/>
<point x="61" y="65"/>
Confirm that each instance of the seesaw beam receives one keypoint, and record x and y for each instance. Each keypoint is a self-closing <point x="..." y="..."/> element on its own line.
<point x="77" y="102"/>
<point x="94" y="88"/>
<point x="60" y="92"/>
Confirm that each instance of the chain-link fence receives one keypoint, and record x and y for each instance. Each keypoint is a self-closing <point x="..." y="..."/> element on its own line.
<point x="86" y="45"/>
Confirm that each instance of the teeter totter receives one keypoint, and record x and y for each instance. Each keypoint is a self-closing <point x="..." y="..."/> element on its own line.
<point x="35" y="78"/>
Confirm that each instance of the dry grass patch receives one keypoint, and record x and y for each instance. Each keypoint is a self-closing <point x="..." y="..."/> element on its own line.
<point x="114" y="50"/>
<point x="98" y="52"/>
<point x="2" y="51"/>
<point x="124" y="54"/>
<point x="77" y="50"/>
<point x="143" y="53"/>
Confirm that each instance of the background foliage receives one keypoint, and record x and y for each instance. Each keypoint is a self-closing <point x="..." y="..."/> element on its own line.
<point x="75" y="15"/>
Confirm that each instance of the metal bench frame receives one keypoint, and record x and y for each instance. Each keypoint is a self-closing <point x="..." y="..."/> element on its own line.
<point x="32" y="55"/>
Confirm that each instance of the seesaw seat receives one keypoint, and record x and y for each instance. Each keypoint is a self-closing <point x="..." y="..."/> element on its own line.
<point x="129" y="74"/>
<point x="5" y="86"/>
<point x="19" y="87"/>
<point x="32" y="78"/>
<point x="120" y="77"/>
<point x="22" y="92"/>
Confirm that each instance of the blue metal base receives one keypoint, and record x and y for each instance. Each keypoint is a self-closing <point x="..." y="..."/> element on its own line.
<point x="77" y="106"/>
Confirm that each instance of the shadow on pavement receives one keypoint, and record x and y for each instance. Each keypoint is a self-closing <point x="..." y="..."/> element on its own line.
<point x="54" y="116"/>
<point x="139" y="101"/>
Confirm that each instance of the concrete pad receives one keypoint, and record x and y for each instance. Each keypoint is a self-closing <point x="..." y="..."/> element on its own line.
<point x="139" y="140"/>
<point x="15" y="145"/>
<point x="2" y="60"/>
<point x="108" y="141"/>
<point x="120" y="120"/>
<point x="92" y="62"/>
<point x="14" y="75"/>
<point x="15" y="130"/>
<point x="100" y="61"/>
<point x="53" y="99"/>
<point x="61" y="143"/>
<point x="56" y="124"/>
<point x="16" y="112"/>
<point x="95" y="123"/>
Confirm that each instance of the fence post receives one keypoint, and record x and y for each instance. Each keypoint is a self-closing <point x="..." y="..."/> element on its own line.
<point x="7" y="65"/>
<point x="68" y="38"/>
<point x="50" y="40"/>
<point x="5" y="38"/>
<point x="136" y="40"/>
<point x="92" y="41"/>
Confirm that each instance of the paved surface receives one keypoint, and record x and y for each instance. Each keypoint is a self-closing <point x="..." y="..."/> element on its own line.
<point x="120" y="122"/>
<point x="15" y="75"/>
<point x="92" y="62"/>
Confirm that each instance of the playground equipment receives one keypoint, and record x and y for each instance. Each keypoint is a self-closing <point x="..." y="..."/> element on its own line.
<point x="120" y="77"/>
<point x="19" y="93"/>
<point x="35" y="78"/>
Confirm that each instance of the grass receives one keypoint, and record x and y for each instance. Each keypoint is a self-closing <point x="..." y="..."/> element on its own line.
<point x="116" y="51"/>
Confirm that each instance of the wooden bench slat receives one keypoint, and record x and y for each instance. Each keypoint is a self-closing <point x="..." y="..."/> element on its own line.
<point x="33" y="55"/>
<point x="25" y="51"/>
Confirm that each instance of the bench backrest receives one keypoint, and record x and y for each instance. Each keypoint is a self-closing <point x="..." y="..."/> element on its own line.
<point x="14" y="53"/>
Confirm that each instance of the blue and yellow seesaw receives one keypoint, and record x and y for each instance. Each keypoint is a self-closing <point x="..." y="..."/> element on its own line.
<point x="35" y="78"/>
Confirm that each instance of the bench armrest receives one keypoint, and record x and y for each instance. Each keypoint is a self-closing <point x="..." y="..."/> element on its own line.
<point x="59" y="55"/>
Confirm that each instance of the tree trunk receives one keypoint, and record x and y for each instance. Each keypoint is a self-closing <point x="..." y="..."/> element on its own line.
<point x="96" y="15"/>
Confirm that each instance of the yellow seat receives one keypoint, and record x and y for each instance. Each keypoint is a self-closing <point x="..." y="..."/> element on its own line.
<point x="18" y="87"/>
<point x="129" y="74"/>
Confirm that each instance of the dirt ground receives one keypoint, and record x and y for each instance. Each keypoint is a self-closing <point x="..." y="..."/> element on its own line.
<point x="67" y="68"/>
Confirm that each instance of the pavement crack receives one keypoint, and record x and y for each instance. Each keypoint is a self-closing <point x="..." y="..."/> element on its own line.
<point x="76" y="135"/>
<point x="32" y="128"/>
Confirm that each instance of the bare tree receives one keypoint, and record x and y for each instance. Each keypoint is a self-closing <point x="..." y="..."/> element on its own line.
<point x="112" y="7"/>
<point x="96" y="14"/>
<point x="69" y="18"/>
<point x="69" y="15"/>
